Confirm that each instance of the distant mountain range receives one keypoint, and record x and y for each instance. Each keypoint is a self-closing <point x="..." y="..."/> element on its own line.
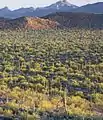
<point x="60" y="6"/>
<point x="90" y="8"/>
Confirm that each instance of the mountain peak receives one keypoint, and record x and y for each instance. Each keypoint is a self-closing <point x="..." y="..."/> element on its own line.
<point x="64" y="3"/>
<point x="5" y="9"/>
<point x="61" y="5"/>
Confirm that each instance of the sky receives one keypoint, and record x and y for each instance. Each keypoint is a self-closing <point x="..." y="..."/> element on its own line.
<point x="14" y="4"/>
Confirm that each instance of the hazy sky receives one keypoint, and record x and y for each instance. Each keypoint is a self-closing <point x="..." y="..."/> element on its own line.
<point x="13" y="4"/>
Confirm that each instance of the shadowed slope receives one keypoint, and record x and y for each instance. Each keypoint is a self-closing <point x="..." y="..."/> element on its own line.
<point x="79" y="20"/>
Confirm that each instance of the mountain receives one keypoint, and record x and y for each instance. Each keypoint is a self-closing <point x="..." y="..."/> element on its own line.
<point x="78" y="20"/>
<point x="27" y="23"/>
<point x="90" y="8"/>
<point x="23" y="10"/>
<point x="7" y="13"/>
<point x="20" y="12"/>
<point x="4" y="11"/>
<point x="60" y="6"/>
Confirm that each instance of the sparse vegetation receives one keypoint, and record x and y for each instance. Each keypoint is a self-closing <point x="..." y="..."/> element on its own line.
<point x="51" y="73"/>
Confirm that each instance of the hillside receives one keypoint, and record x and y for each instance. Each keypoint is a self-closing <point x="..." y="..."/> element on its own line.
<point x="78" y="20"/>
<point x="27" y="23"/>
<point x="57" y="20"/>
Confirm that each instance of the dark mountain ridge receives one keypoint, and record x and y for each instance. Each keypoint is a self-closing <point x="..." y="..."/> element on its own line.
<point x="78" y="20"/>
